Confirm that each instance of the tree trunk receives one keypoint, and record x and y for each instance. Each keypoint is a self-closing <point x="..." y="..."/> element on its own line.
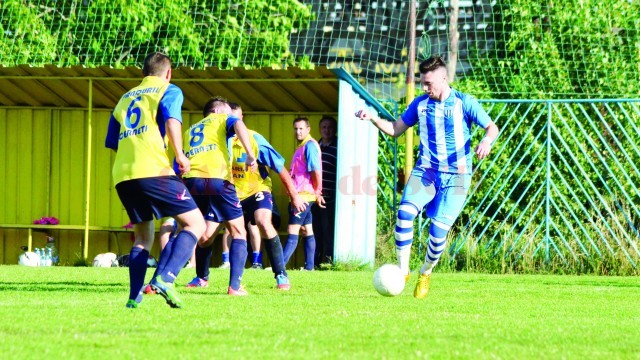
<point x="454" y="36"/>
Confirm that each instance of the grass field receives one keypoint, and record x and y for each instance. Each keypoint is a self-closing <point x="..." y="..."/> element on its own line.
<point x="71" y="312"/>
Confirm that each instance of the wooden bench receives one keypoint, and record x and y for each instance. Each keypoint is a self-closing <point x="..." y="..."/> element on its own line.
<point x="31" y="227"/>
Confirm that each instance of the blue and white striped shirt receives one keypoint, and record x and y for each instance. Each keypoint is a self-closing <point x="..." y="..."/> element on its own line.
<point x="445" y="130"/>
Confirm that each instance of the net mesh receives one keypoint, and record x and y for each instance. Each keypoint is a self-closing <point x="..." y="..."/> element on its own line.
<point x="506" y="48"/>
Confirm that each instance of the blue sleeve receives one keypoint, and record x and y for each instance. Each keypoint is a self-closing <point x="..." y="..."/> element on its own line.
<point x="113" y="134"/>
<point x="171" y="104"/>
<point x="312" y="154"/>
<point x="176" y="167"/>
<point x="267" y="155"/>
<point x="410" y="115"/>
<point x="475" y="111"/>
<point x="231" y="120"/>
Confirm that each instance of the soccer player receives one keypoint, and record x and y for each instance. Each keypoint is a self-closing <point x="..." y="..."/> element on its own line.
<point x="306" y="172"/>
<point x="254" y="191"/>
<point x="209" y="180"/>
<point x="145" y="180"/>
<point x="441" y="177"/>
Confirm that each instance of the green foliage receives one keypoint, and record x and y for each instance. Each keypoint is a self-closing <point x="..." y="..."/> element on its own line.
<point x="120" y="33"/>
<point x="557" y="49"/>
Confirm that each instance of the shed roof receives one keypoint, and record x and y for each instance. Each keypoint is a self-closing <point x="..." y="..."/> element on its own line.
<point x="256" y="90"/>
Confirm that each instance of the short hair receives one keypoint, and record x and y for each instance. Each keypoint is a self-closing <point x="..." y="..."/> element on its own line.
<point x="155" y="64"/>
<point x="234" y="106"/>
<point x="330" y="119"/>
<point x="431" y="64"/>
<point x="213" y="104"/>
<point x="301" y="118"/>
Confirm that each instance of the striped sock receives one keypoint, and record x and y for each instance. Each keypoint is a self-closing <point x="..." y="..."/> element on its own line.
<point x="437" y="243"/>
<point x="407" y="212"/>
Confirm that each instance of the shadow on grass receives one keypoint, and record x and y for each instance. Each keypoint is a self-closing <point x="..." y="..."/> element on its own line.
<point x="61" y="286"/>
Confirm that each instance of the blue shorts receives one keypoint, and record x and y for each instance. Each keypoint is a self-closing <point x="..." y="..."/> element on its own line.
<point x="216" y="198"/>
<point x="442" y="194"/>
<point x="301" y="218"/>
<point x="260" y="200"/>
<point x="156" y="196"/>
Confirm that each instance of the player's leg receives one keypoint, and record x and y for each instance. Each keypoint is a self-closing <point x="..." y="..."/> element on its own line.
<point x="136" y="201"/>
<point x="443" y="211"/>
<point x="203" y="253"/>
<point x="226" y="243"/>
<point x="237" y="254"/>
<point x="254" y="237"/>
<point x="273" y="247"/>
<point x="296" y="220"/>
<point x="309" y="240"/>
<point x="420" y="190"/>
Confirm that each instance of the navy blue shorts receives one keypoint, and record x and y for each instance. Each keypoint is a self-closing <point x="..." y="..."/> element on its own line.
<point x="302" y="218"/>
<point x="156" y="196"/>
<point x="260" y="200"/>
<point x="216" y="198"/>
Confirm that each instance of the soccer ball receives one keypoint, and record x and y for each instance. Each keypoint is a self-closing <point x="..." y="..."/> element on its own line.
<point x="29" y="258"/>
<point x="388" y="280"/>
<point x="106" y="260"/>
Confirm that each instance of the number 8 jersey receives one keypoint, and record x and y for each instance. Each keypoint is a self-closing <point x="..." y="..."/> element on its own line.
<point x="137" y="129"/>
<point x="205" y="144"/>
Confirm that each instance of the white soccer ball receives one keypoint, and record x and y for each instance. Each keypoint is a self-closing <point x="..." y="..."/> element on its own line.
<point x="388" y="280"/>
<point x="106" y="260"/>
<point x="29" y="258"/>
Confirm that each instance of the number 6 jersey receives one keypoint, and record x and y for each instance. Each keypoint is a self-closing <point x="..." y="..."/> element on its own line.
<point x="137" y="129"/>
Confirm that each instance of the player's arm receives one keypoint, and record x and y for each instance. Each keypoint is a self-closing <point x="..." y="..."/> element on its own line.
<point x="490" y="134"/>
<point x="174" y="133"/>
<point x="243" y="135"/>
<point x="113" y="133"/>
<point x="314" y="167"/>
<point x="296" y="200"/>
<point x="170" y="108"/>
<point x="268" y="156"/>
<point x="391" y="128"/>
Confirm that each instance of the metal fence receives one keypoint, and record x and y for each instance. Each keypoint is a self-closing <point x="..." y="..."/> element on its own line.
<point x="561" y="184"/>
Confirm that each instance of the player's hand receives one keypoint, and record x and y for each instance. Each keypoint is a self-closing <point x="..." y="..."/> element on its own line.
<point x="320" y="201"/>
<point x="250" y="163"/>
<point x="299" y="204"/>
<point x="363" y="115"/>
<point x="183" y="164"/>
<point x="483" y="149"/>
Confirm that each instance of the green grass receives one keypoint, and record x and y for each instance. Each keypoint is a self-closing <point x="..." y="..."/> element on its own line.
<point x="70" y="312"/>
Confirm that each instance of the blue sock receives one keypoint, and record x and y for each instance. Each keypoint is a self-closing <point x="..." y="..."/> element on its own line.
<point x="180" y="253"/>
<point x="137" y="270"/>
<point x="309" y="251"/>
<point x="256" y="257"/>
<point x="203" y="261"/>
<point x="225" y="257"/>
<point x="165" y="254"/>
<point x="290" y="247"/>
<point x="238" y="251"/>
<point x="274" y="252"/>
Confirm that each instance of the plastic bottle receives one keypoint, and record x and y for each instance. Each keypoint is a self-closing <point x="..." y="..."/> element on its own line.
<point x="53" y="254"/>
<point x="40" y="256"/>
<point x="47" y="257"/>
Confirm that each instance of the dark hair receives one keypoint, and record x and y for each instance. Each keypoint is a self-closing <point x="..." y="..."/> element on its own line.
<point x="330" y="119"/>
<point x="234" y="106"/>
<point x="431" y="64"/>
<point x="213" y="104"/>
<point x="155" y="63"/>
<point x="301" y="118"/>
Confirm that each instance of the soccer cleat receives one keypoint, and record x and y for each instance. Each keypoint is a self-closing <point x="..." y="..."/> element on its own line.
<point x="198" y="282"/>
<point x="240" y="292"/>
<point x="168" y="292"/>
<point x="132" y="304"/>
<point x="283" y="282"/>
<point x="422" y="287"/>
<point x="148" y="290"/>
<point x="257" y="266"/>
<point x="225" y="265"/>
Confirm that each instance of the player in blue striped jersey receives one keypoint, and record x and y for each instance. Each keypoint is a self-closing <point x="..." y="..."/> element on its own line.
<point x="441" y="177"/>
